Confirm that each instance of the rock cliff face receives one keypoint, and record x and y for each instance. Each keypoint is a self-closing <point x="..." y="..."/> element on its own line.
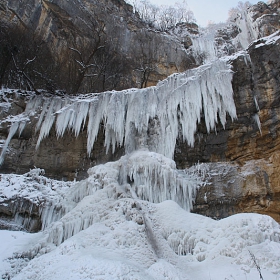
<point x="266" y="17"/>
<point x="243" y="159"/>
<point x="83" y="46"/>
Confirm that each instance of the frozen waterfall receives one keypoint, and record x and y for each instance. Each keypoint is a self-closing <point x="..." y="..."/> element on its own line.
<point x="204" y="48"/>
<point x="141" y="176"/>
<point x="150" y="118"/>
<point x="248" y="30"/>
<point x="146" y="122"/>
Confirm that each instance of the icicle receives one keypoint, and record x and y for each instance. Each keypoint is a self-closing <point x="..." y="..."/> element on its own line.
<point x="96" y="112"/>
<point x="256" y="117"/>
<point x="249" y="30"/>
<point x="19" y="122"/>
<point x="12" y="132"/>
<point x="82" y="112"/>
<point x="115" y="126"/>
<point x="34" y="103"/>
<point x="204" y="48"/>
<point x="21" y="127"/>
<point x="258" y="122"/>
<point x="49" y="120"/>
<point x="42" y="115"/>
<point x="256" y="104"/>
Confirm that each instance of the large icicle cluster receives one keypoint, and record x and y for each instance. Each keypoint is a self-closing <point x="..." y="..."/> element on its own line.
<point x="142" y="118"/>
<point x="155" y="178"/>
<point x="147" y="175"/>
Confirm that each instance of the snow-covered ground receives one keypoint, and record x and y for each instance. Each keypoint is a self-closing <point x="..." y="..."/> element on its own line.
<point x="106" y="231"/>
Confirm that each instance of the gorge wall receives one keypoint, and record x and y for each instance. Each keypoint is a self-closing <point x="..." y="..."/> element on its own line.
<point x="83" y="46"/>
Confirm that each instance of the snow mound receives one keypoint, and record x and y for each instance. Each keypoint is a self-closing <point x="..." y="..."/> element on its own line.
<point x="132" y="239"/>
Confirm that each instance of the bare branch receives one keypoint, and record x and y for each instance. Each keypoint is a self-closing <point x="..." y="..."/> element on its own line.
<point x="21" y="72"/>
<point x="75" y="50"/>
<point x="80" y="63"/>
<point x="253" y="257"/>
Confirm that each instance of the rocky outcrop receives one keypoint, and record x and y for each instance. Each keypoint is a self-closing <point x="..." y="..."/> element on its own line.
<point x="232" y="189"/>
<point x="20" y="214"/>
<point x="245" y="26"/>
<point x="266" y="17"/>
<point x="30" y="202"/>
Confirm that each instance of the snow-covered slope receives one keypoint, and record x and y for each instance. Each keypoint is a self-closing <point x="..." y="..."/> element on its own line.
<point x="108" y="232"/>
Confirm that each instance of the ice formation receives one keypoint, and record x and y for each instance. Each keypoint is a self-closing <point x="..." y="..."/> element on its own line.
<point x="13" y="129"/>
<point x="147" y="122"/>
<point x="141" y="175"/>
<point x="110" y="234"/>
<point x="204" y="48"/>
<point x="257" y="120"/>
<point x="141" y="118"/>
<point x="155" y="178"/>
<point x="23" y="194"/>
<point x="248" y="30"/>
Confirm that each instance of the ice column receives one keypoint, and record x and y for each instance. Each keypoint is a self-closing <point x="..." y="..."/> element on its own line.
<point x="13" y="129"/>
<point x="155" y="178"/>
<point x="248" y="29"/>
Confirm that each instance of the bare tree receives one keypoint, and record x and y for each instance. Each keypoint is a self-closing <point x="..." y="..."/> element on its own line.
<point x="147" y="11"/>
<point x="99" y="64"/>
<point x="24" y="58"/>
<point x="5" y="51"/>
<point x="253" y="257"/>
<point x="167" y="18"/>
<point x="21" y="71"/>
<point x="146" y="65"/>
<point x="163" y="17"/>
<point x="184" y="14"/>
<point x="84" y="56"/>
